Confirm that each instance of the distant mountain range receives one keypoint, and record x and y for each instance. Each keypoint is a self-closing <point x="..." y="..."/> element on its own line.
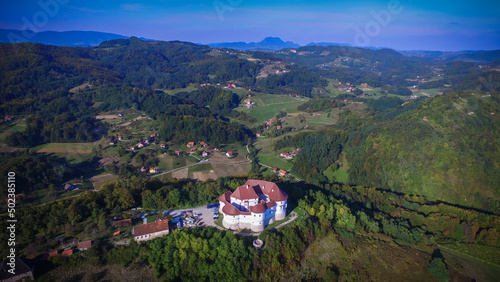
<point x="64" y="38"/>
<point x="94" y="38"/>
<point x="268" y="44"/>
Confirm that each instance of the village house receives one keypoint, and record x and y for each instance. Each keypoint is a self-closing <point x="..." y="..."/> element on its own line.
<point x="54" y="254"/>
<point x="116" y="233"/>
<point x="132" y="148"/>
<point x="163" y="146"/>
<point x="258" y="135"/>
<point x="121" y="223"/>
<point x="83" y="246"/>
<point x="119" y="138"/>
<point x="254" y="205"/>
<point x="153" y="170"/>
<point x="67" y="253"/>
<point x="144" y="169"/>
<point x="177" y="153"/>
<point x="140" y="145"/>
<point x="286" y="156"/>
<point x="203" y="144"/>
<point x="229" y="154"/>
<point x="190" y="144"/>
<point x="152" y="230"/>
<point x="283" y="172"/>
<point x="204" y="154"/>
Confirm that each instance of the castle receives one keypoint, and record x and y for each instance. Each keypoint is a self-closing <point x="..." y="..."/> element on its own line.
<point x="253" y="205"/>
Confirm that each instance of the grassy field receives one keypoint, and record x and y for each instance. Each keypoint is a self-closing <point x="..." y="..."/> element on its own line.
<point x="432" y="92"/>
<point x="189" y="88"/>
<point x="487" y="270"/>
<point x="268" y="156"/>
<point x="276" y="161"/>
<point x="200" y="167"/>
<point x="73" y="152"/>
<point x="18" y="126"/>
<point x="270" y="105"/>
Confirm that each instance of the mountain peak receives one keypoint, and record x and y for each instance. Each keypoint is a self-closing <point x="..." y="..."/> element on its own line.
<point x="267" y="44"/>
<point x="272" y="40"/>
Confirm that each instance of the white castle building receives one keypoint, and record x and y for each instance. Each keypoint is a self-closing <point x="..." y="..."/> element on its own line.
<point x="253" y="205"/>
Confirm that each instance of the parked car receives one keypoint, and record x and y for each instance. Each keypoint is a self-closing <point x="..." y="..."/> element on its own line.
<point x="212" y="206"/>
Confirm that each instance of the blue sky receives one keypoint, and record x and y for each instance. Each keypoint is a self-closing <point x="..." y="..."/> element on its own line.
<point x="398" y="24"/>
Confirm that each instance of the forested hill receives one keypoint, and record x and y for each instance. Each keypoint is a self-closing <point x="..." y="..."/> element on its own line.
<point x="446" y="148"/>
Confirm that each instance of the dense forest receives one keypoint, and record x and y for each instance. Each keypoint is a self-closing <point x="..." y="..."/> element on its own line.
<point x="351" y="212"/>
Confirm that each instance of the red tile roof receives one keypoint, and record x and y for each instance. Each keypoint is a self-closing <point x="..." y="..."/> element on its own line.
<point x="270" y="204"/>
<point x="245" y="193"/>
<point x="259" y="208"/>
<point x="54" y="254"/>
<point x="67" y="253"/>
<point x="225" y="197"/>
<point x="85" y="245"/>
<point x="149" y="228"/>
<point x="230" y="209"/>
<point x="268" y="188"/>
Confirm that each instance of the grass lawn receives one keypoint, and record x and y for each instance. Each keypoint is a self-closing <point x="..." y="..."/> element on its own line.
<point x="269" y="105"/>
<point x="276" y="161"/>
<point x="432" y="92"/>
<point x="66" y="146"/>
<point x="18" y="126"/>
<point x="340" y="175"/>
<point x="200" y="167"/>
<point x="189" y="88"/>
<point x="73" y="152"/>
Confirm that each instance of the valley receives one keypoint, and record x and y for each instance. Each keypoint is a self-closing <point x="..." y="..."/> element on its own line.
<point x="390" y="161"/>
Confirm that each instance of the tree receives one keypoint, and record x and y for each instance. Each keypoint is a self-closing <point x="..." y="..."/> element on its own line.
<point x="438" y="269"/>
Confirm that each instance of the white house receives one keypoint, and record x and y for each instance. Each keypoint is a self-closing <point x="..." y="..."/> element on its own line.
<point x="149" y="231"/>
<point x="253" y="205"/>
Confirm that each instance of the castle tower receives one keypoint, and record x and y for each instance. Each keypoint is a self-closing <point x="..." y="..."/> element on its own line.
<point x="281" y="209"/>
<point x="258" y="216"/>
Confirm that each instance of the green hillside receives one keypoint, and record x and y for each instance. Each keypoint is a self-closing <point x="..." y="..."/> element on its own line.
<point x="446" y="149"/>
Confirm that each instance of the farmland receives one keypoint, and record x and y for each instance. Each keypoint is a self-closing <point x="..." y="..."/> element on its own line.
<point x="73" y="152"/>
<point x="267" y="106"/>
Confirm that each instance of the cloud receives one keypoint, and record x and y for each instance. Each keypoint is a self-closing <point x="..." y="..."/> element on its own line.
<point x="131" y="7"/>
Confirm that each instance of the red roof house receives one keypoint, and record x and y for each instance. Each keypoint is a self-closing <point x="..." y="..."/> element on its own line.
<point x="152" y="230"/>
<point x="82" y="246"/>
<point x="54" y="254"/>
